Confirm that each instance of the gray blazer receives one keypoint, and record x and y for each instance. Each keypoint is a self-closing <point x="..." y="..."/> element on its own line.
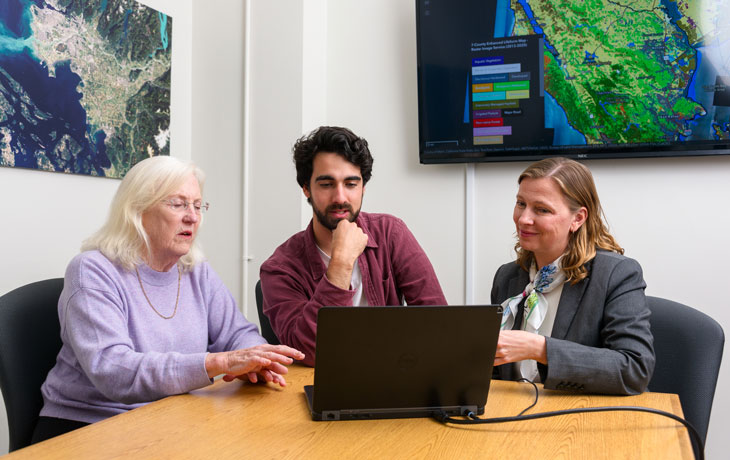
<point x="601" y="341"/>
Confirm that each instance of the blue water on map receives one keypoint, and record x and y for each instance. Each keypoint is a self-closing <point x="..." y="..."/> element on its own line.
<point x="556" y="118"/>
<point x="705" y="73"/>
<point x="126" y="25"/>
<point x="536" y="27"/>
<point x="672" y="10"/>
<point x="467" y="105"/>
<point x="504" y="19"/>
<point x="693" y="82"/>
<point x="163" y="33"/>
<point x="530" y="15"/>
<point x="44" y="108"/>
<point x="10" y="44"/>
<point x="15" y="16"/>
<point x="163" y="30"/>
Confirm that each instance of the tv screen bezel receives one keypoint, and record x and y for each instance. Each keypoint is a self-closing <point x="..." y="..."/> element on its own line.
<point x="578" y="152"/>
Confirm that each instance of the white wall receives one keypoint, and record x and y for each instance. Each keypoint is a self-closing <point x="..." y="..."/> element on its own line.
<point x="216" y="132"/>
<point x="667" y="213"/>
<point x="275" y="122"/>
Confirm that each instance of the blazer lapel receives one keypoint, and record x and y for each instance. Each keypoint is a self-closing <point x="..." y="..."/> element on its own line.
<point x="515" y="287"/>
<point x="570" y="300"/>
<point x="517" y="284"/>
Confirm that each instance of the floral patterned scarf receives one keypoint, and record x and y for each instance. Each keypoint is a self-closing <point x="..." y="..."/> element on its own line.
<point x="535" y="306"/>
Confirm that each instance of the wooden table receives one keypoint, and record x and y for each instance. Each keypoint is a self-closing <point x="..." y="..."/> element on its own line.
<point x="235" y="420"/>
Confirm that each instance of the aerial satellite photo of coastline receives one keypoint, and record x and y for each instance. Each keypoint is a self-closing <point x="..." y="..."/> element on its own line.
<point x="84" y="85"/>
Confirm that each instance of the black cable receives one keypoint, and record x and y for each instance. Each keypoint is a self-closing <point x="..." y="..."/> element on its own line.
<point x="695" y="438"/>
<point x="534" y="403"/>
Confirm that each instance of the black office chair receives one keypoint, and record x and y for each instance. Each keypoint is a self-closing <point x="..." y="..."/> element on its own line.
<point x="688" y="346"/>
<point x="30" y="340"/>
<point x="266" y="331"/>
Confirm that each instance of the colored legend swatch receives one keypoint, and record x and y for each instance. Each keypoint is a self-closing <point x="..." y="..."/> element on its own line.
<point x="482" y="87"/>
<point x="491" y="69"/>
<point x="486" y="105"/>
<point x="490" y="78"/>
<point x="494" y="131"/>
<point x="511" y="86"/>
<point x="490" y="96"/>
<point x="486" y="122"/>
<point x="487" y="113"/>
<point x="519" y="94"/>
<point x="484" y="140"/>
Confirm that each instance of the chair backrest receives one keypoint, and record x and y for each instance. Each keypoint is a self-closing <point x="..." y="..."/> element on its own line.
<point x="30" y="339"/>
<point x="266" y="331"/>
<point x="688" y="346"/>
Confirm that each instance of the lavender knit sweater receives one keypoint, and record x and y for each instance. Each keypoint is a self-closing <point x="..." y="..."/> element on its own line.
<point x="119" y="354"/>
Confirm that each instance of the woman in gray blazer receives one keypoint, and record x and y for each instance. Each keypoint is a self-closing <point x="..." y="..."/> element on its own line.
<point x="575" y="315"/>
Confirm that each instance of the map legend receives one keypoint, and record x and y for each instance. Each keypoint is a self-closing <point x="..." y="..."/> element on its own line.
<point x="501" y="84"/>
<point x="502" y="90"/>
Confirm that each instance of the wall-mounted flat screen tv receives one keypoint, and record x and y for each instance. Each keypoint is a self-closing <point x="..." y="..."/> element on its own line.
<point x="504" y="80"/>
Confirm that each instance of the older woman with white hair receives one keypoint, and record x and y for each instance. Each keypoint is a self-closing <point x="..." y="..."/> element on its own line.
<point x="142" y="315"/>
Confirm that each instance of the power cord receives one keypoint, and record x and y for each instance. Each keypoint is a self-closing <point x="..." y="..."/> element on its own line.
<point x="695" y="438"/>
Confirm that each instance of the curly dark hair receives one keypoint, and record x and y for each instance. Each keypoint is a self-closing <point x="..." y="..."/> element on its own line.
<point x="333" y="139"/>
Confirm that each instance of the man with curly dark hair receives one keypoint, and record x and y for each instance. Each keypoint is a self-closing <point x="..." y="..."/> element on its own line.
<point x="344" y="257"/>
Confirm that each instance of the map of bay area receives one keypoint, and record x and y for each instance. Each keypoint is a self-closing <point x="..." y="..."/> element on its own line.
<point x="630" y="72"/>
<point x="84" y="85"/>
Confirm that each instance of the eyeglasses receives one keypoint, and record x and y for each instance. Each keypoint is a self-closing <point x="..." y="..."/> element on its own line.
<point x="181" y="206"/>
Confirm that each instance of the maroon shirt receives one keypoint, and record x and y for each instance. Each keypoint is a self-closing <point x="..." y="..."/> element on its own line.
<point x="393" y="266"/>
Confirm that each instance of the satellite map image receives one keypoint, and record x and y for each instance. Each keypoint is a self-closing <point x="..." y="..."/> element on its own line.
<point x="84" y="85"/>
<point x="501" y="79"/>
<point x="637" y="71"/>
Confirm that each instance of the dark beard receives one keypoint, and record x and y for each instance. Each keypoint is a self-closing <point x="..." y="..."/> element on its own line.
<point x="329" y="222"/>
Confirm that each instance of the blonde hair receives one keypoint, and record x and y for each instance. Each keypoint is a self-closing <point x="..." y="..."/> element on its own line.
<point x="576" y="182"/>
<point x="123" y="238"/>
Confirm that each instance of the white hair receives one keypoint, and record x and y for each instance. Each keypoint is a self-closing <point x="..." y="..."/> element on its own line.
<point x="123" y="239"/>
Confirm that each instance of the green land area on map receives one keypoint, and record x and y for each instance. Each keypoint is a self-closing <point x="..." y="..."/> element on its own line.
<point x="619" y="69"/>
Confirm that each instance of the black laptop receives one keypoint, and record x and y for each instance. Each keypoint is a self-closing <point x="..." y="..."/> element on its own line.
<point x="395" y="362"/>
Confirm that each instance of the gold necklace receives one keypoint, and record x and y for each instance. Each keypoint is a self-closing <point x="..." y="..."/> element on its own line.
<point x="148" y="299"/>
